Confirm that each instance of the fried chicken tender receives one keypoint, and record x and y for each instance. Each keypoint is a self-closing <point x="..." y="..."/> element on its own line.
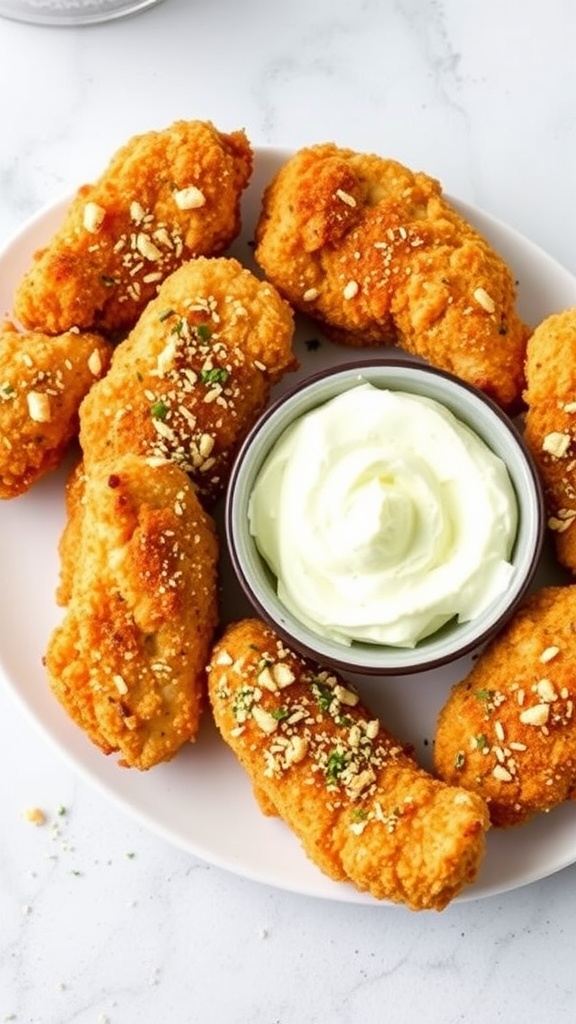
<point x="42" y="382"/>
<point x="508" y="730"/>
<point x="377" y="255"/>
<point x="165" y="197"/>
<point x="550" y="424"/>
<point x="128" y="660"/>
<point x="362" y="808"/>
<point x="193" y="375"/>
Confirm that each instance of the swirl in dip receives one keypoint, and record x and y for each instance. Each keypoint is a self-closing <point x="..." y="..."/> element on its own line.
<point x="382" y="517"/>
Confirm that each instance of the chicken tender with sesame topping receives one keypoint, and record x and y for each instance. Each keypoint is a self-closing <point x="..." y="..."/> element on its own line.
<point x="508" y="730"/>
<point x="550" y="424"/>
<point x="43" y="379"/>
<point x="363" y="810"/>
<point x="165" y="197"/>
<point x="191" y="378"/>
<point x="128" y="661"/>
<point x="377" y="255"/>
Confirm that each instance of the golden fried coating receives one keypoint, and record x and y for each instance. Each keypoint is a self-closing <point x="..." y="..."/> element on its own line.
<point x="508" y="731"/>
<point x="165" y="197"/>
<point x="377" y="255"/>
<point x="71" y="537"/>
<point x="193" y="375"/>
<point x="42" y="382"/>
<point x="361" y="807"/>
<point x="550" y="424"/>
<point x="128" y="660"/>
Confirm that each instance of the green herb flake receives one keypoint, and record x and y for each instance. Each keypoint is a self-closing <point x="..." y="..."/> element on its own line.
<point x="7" y="391"/>
<point x="323" y="694"/>
<point x="217" y="375"/>
<point x="335" y="765"/>
<point x="481" y="741"/>
<point x="178" y="327"/>
<point x="204" y="332"/>
<point x="243" y="703"/>
<point x="280" y="714"/>
<point x="159" y="410"/>
<point x="344" y="721"/>
<point x="62" y="811"/>
<point x="108" y="280"/>
<point x="166" y="313"/>
<point x="484" y="695"/>
<point x="459" y="760"/>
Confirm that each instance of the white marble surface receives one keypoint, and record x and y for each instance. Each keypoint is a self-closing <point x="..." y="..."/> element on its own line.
<point x="101" y="921"/>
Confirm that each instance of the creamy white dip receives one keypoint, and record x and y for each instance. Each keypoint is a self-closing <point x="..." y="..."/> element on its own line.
<point x="382" y="517"/>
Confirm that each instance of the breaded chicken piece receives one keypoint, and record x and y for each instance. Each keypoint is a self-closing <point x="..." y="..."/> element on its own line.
<point x="42" y="382"/>
<point x="165" y="197"/>
<point x="128" y="661"/>
<point x="71" y="537"/>
<point x="376" y="255"/>
<point x="193" y="375"/>
<point x="550" y="424"/>
<point x="508" y="730"/>
<point x="362" y="808"/>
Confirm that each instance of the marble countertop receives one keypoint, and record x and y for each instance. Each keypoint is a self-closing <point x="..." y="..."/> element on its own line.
<point x="102" y="921"/>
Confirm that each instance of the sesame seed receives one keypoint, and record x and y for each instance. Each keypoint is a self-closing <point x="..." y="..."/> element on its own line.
<point x="351" y="289"/>
<point x="137" y="212"/>
<point x="549" y="653"/>
<point x="345" y="197"/>
<point x="484" y="300"/>
<point x="120" y="684"/>
<point x="95" y="363"/>
<point x="146" y="247"/>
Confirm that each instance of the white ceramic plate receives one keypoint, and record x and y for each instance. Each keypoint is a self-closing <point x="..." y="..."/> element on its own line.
<point x="202" y="801"/>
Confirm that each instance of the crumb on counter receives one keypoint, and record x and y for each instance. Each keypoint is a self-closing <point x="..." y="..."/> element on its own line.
<point x="35" y="815"/>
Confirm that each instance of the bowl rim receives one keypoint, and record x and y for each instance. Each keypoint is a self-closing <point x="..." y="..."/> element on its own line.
<point x="316" y="648"/>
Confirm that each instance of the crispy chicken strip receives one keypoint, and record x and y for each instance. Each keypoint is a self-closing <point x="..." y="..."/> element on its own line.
<point x="376" y="254"/>
<point x="193" y="375"/>
<point x="165" y="197"/>
<point x="128" y="661"/>
<point x="550" y="424"/>
<point x="508" y="731"/>
<point x="42" y="382"/>
<point x="362" y="808"/>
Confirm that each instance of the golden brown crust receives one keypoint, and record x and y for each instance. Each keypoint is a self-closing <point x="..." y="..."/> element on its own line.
<point x="508" y="731"/>
<point x="70" y="541"/>
<point x="550" y="424"/>
<point x="193" y="375"/>
<point x="128" y="661"/>
<point x="42" y="382"/>
<point x="165" y="197"/>
<point x="361" y="807"/>
<point x="377" y="255"/>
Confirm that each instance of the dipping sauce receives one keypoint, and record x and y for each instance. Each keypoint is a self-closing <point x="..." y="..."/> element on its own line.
<point x="382" y="517"/>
